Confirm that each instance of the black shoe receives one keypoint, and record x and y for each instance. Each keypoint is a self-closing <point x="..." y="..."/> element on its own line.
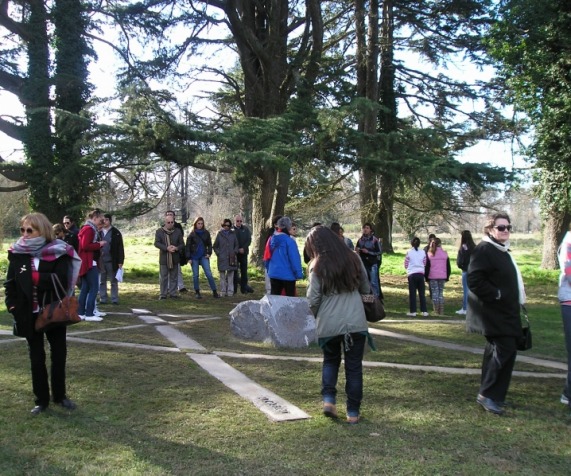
<point x="38" y="409"/>
<point x="249" y="290"/>
<point x="175" y="297"/>
<point x="183" y="290"/>
<point x="489" y="405"/>
<point x="161" y="298"/>
<point x="215" y="294"/>
<point x="198" y="295"/>
<point x="115" y="303"/>
<point x="67" y="404"/>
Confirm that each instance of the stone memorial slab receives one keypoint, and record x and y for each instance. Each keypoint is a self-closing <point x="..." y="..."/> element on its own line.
<point x="247" y="322"/>
<point x="280" y="320"/>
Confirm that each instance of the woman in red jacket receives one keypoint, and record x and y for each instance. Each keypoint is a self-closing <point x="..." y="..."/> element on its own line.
<point x="90" y="245"/>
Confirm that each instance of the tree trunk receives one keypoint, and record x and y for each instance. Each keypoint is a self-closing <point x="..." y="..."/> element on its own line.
<point x="263" y="198"/>
<point x="556" y="226"/>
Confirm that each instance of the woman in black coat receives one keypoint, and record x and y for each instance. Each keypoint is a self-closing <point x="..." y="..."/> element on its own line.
<point x="32" y="261"/>
<point x="495" y="296"/>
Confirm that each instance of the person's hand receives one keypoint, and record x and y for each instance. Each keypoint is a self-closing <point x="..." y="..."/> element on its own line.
<point x="241" y="251"/>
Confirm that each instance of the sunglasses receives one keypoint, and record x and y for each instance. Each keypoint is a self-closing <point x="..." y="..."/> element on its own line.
<point x="169" y="222"/>
<point x="226" y="225"/>
<point x="238" y="221"/>
<point x="503" y="227"/>
<point x="29" y="231"/>
<point x="67" y="223"/>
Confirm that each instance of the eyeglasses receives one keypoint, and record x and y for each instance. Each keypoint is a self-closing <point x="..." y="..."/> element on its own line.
<point x="503" y="227"/>
<point x="29" y="231"/>
<point x="226" y="225"/>
<point x="169" y="222"/>
<point x="67" y="223"/>
<point x="238" y="221"/>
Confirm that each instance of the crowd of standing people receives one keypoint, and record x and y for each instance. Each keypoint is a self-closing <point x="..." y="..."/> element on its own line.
<point x="93" y="255"/>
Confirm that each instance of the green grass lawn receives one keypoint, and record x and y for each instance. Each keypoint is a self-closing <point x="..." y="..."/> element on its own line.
<point x="143" y="412"/>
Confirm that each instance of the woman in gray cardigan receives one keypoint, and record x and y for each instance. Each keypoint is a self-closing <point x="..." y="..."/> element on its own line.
<point x="337" y="278"/>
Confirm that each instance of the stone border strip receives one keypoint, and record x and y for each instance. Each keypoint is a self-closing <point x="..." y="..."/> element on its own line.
<point x="368" y="363"/>
<point x="276" y="408"/>
<point x="464" y="348"/>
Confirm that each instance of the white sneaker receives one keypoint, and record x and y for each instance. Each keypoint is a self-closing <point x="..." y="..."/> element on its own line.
<point x="93" y="318"/>
<point x="99" y="314"/>
<point x="564" y="399"/>
<point x="411" y="314"/>
<point x="425" y="314"/>
<point x="82" y="317"/>
<point x="461" y="312"/>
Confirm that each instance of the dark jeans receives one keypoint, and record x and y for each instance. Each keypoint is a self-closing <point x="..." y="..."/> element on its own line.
<point x="497" y="367"/>
<point x="241" y="273"/>
<point x="279" y="285"/>
<point x="566" y="315"/>
<point x="353" y="352"/>
<point x="58" y="350"/>
<point x="416" y="283"/>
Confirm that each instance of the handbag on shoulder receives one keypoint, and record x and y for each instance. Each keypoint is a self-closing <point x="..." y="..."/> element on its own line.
<point x="62" y="312"/>
<point x="524" y="342"/>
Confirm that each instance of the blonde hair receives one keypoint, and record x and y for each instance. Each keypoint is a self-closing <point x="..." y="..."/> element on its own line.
<point x="39" y="222"/>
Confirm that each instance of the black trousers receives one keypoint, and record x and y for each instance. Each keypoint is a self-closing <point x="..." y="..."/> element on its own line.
<point x="279" y="285"/>
<point x="241" y="273"/>
<point x="497" y="367"/>
<point x="58" y="350"/>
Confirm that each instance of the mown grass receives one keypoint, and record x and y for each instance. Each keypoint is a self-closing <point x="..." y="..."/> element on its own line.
<point x="142" y="412"/>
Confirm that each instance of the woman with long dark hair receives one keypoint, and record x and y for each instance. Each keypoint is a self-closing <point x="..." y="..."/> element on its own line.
<point x="337" y="278"/>
<point x="467" y="245"/>
<point x="32" y="262"/>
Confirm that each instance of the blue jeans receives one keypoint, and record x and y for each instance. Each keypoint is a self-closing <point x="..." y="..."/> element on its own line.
<point x="566" y="315"/>
<point x="205" y="263"/>
<point x="465" y="289"/>
<point x="88" y="293"/>
<point x="416" y="283"/>
<point x="353" y="351"/>
<point x="374" y="279"/>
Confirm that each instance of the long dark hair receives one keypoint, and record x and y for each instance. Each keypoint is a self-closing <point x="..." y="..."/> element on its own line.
<point x="466" y="239"/>
<point x="337" y="266"/>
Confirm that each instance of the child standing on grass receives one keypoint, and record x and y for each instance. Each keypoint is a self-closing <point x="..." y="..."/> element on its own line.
<point x="414" y="263"/>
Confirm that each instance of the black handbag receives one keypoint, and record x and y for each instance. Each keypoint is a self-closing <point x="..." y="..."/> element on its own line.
<point x="524" y="342"/>
<point x="374" y="309"/>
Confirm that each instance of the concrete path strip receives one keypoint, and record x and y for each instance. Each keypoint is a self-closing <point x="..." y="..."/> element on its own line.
<point x="367" y="363"/>
<point x="182" y="341"/>
<point x="464" y="348"/>
<point x="158" y="348"/>
<point x="275" y="407"/>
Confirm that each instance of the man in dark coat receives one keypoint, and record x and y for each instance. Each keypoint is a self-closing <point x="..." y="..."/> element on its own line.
<point x="244" y="236"/>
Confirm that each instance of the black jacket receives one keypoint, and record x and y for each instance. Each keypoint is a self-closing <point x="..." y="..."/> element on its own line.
<point x="493" y="297"/>
<point x="117" y="249"/>
<point x="19" y="286"/>
<point x="193" y="240"/>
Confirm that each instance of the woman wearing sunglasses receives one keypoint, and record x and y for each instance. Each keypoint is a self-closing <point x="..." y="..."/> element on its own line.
<point x="32" y="261"/>
<point x="496" y="293"/>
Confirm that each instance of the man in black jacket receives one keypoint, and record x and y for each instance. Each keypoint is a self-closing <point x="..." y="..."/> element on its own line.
<point x="111" y="260"/>
<point x="244" y="236"/>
